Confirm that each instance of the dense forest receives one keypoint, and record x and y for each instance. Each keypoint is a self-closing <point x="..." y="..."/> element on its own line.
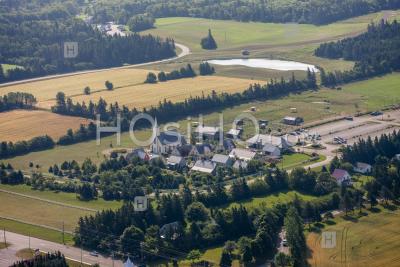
<point x="48" y="25"/>
<point x="55" y="259"/>
<point x="307" y="11"/>
<point x="376" y="52"/>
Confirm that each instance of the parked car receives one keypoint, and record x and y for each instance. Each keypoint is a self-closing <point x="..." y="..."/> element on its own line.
<point x="94" y="253"/>
<point x="376" y="113"/>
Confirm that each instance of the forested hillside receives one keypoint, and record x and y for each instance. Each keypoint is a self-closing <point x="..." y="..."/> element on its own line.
<point x="306" y="11"/>
<point x="376" y="52"/>
<point x="33" y="36"/>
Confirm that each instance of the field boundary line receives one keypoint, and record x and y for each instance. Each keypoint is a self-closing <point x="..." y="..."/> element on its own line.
<point x="47" y="200"/>
<point x="34" y="224"/>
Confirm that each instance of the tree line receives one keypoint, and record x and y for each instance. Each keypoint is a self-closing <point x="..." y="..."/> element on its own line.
<point x="376" y="52"/>
<point x="17" y="100"/>
<point x="308" y="11"/>
<point x="185" y="72"/>
<point x="47" y="27"/>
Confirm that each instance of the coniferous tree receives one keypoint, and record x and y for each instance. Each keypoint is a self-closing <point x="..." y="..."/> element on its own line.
<point x="208" y="42"/>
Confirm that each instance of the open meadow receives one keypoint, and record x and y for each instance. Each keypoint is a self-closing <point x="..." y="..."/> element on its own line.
<point x="40" y="212"/>
<point x="372" y="240"/>
<point x="129" y="88"/>
<point x="18" y="125"/>
<point x="312" y="106"/>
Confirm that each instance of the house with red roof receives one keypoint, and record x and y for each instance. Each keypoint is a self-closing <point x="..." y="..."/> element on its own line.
<point x="341" y="176"/>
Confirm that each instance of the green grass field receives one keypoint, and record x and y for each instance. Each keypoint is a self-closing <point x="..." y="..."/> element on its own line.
<point x="66" y="198"/>
<point x="40" y="212"/>
<point x="312" y="106"/>
<point x="372" y="240"/>
<point x="35" y="231"/>
<point x="271" y="200"/>
<point x="232" y="34"/>
<point x="7" y="67"/>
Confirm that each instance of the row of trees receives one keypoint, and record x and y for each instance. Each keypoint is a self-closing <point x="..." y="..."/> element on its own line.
<point x="48" y="27"/>
<point x="376" y="52"/>
<point x="308" y="11"/>
<point x="10" y="149"/>
<point x="185" y="72"/>
<point x="46" y="260"/>
<point x="141" y="22"/>
<point x="17" y="100"/>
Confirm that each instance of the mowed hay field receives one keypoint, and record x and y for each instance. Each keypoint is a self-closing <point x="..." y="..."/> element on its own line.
<point x="129" y="88"/>
<point x="18" y="125"/>
<point x="40" y="212"/>
<point x="372" y="241"/>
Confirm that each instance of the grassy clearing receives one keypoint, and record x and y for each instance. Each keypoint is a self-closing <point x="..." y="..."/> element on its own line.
<point x="39" y="212"/>
<point x="35" y="231"/>
<point x="298" y="160"/>
<point x="229" y="34"/>
<point x="271" y="200"/>
<point x="372" y="240"/>
<point x="310" y="106"/>
<point x="7" y="67"/>
<point x="66" y="198"/>
<point x="18" y="125"/>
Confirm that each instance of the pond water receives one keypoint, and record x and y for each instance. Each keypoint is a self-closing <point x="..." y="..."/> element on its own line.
<point x="274" y="64"/>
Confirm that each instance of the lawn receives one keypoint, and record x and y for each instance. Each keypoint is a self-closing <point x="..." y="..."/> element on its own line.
<point x="271" y="200"/>
<point x="19" y="125"/>
<point x="66" y="198"/>
<point x="372" y="240"/>
<point x="39" y="212"/>
<point x="35" y="231"/>
<point x="308" y="104"/>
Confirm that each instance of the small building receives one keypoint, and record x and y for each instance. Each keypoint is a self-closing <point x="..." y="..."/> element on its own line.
<point x="176" y="162"/>
<point x="182" y="151"/>
<point x="170" y="230"/>
<point x="240" y="164"/>
<point x="128" y="263"/>
<point x="362" y="167"/>
<point x="397" y="156"/>
<point x="234" y="133"/>
<point x="138" y="153"/>
<point x="222" y="160"/>
<point x="271" y="151"/>
<point x="341" y="176"/>
<point x="292" y="120"/>
<point x="207" y="132"/>
<point x="226" y="146"/>
<point x="201" y="150"/>
<point x="205" y="166"/>
<point x="260" y="140"/>
<point x="243" y="154"/>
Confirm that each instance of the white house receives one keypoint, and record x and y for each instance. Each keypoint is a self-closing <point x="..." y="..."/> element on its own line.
<point x="205" y="166"/>
<point x="222" y="160"/>
<point x="243" y="154"/>
<point x="341" y="176"/>
<point x="176" y="162"/>
<point x="362" y="167"/>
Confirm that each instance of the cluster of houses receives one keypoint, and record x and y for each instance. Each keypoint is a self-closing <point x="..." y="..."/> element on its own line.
<point x="215" y="149"/>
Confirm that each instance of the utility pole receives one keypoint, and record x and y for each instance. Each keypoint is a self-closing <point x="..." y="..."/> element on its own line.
<point x="5" y="241"/>
<point x="29" y="238"/>
<point x="81" y="255"/>
<point x="112" y="257"/>
<point x="63" y="235"/>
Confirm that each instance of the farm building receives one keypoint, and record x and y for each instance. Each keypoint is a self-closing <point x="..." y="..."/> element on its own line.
<point x="292" y="120"/>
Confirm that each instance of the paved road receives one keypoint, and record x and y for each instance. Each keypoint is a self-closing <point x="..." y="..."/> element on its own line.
<point x="18" y="242"/>
<point x="184" y="52"/>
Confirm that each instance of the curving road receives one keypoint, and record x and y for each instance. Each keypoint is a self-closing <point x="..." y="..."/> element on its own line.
<point x="184" y="52"/>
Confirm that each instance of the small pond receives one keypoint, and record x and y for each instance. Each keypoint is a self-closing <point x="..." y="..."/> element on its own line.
<point x="273" y="64"/>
